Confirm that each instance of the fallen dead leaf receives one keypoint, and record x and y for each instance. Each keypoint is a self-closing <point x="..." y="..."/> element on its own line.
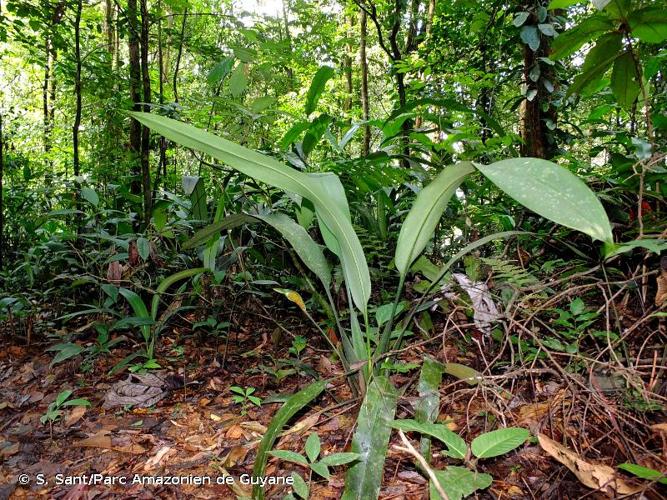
<point x="155" y="460"/>
<point x="215" y="417"/>
<point x="100" y="440"/>
<point x="234" y="432"/>
<point x="235" y="456"/>
<point x="254" y="427"/>
<point x="662" y="427"/>
<point x="204" y="401"/>
<point x="596" y="476"/>
<point x="302" y="425"/>
<point x="75" y="415"/>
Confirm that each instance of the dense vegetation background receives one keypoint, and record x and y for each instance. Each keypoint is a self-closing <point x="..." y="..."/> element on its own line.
<point x="505" y="298"/>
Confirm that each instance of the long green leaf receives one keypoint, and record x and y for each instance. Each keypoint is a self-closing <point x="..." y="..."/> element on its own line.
<point x="370" y="441"/>
<point x="420" y="223"/>
<point x="569" y="42"/>
<point x="495" y="443"/>
<point x="456" y="446"/>
<point x="317" y="87"/>
<point x="167" y="282"/>
<point x="310" y="252"/>
<point x="624" y="83"/>
<point x="428" y="405"/>
<point x="459" y="482"/>
<point x="552" y="192"/>
<point x="292" y="406"/>
<point x="138" y="307"/>
<point x="597" y="62"/>
<point x="230" y="222"/>
<point x="275" y="173"/>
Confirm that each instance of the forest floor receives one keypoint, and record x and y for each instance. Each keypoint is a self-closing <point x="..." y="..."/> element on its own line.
<point x="197" y="431"/>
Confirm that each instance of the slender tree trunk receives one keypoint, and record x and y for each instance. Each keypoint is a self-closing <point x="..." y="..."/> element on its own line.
<point x="288" y="37"/>
<point x="135" y="82"/>
<point x="347" y="103"/>
<point x="45" y="94"/>
<point x="363" y="64"/>
<point x="77" y="87"/>
<point x="109" y="28"/>
<point x="145" y="132"/>
<point x="180" y="53"/>
<point x="2" y="208"/>
<point x="162" y="167"/>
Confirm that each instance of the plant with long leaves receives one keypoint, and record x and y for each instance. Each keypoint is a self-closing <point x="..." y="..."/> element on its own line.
<point x="548" y="189"/>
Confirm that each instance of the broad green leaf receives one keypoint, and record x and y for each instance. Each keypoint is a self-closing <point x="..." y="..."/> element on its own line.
<point x="262" y="103"/>
<point x="644" y="472"/>
<point x="571" y="40"/>
<point x="495" y="443"/>
<point x="370" y="441"/>
<point x="317" y="86"/>
<point x="90" y="196"/>
<point x="167" y="282"/>
<point x="531" y="37"/>
<point x="62" y="397"/>
<point x="313" y="446"/>
<point x="552" y="192"/>
<point x="291" y="407"/>
<point x="293" y="134"/>
<point x="656" y="246"/>
<point x="428" y="404"/>
<point x="289" y="456"/>
<point x="65" y="351"/>
<point x="462" y="372"/>
<point x="520" y="19"/>
<point x="138" y="307"/>
<point x="562" y="4"/>
<point x="420" y="223"/>
<point x="300" y="487"/>
<point x="624" y="83"/>
<point x="339" y="458"/>
<point x="321" y="469"/>
<point x="597" y="62"/>
<point x="238" y="81"/>
<point x="193" y="186"/>
<point x="220" y="71"/>
<point x="274" y="173"/>
<point x="455" y="444"/>
<point x="310" y="252"/>
<point x="649" y="24"/>
<point x="229" y="222"/>
<point x="77" y="402"/>
<point x="144" y="248"/>
<point x="459" y="482"/>
<point x="600" y="4"/>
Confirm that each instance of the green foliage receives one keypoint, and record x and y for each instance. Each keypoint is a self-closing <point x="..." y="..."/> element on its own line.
<point x="321" y="466"/>
<point x="244" y="397"/>
<point x="370" y="440"/>
<point x="54" y="411"/>
<point x="292" y="406"/>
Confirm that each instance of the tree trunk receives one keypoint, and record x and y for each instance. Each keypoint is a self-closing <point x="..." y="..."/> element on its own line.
<point x="288" y="36"/>
<point x="162" y="167"/>
<point x="77" y="87"/>
<point x="108" y="26"/>
<point x="180" y="53"/>
<point x="45" y="94"/>
<point x="2" y="208"/>
<point x="363" y="64"/>
<point x="347" y="61"/>
<point x="145" y="132"/>
<point x="135" y="81"/>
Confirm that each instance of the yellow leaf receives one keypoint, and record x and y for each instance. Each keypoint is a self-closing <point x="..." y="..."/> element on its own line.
<point x="292" y="296"/>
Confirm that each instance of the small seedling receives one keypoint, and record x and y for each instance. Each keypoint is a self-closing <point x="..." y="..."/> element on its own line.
<point x="244" y="397"/>
<point x="320" y="467"/>
<point x="54" y="411"/>
<point x="298" y="344"/>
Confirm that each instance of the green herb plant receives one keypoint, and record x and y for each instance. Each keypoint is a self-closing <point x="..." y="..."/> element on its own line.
<point x="314" y="463"/>
<point x="244" y="397"/>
